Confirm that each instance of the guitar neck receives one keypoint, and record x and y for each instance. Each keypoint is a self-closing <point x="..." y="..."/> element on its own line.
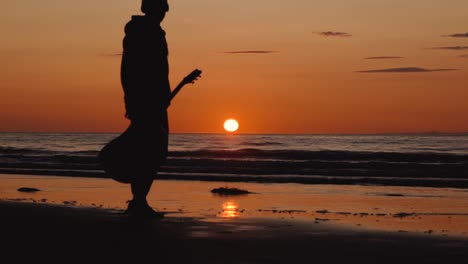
<point x="176" y="90"/>
<point x="188" y="79"/>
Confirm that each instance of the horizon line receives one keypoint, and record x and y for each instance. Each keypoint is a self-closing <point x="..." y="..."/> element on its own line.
<point x="246" y="133"/>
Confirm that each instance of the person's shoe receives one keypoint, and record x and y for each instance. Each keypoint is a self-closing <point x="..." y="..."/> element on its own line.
<point x="142" y="210"/>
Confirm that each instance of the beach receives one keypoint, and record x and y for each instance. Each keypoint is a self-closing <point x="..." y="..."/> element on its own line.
<point x="312" y="198"/>
<point x="277" y="223"/>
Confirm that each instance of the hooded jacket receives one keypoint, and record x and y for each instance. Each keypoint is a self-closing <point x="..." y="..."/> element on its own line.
<point x="145" y="71"/>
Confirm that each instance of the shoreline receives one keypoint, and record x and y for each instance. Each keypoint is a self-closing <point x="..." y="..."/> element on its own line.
<point x="92" y="233"/>
<point x="280" y="223"/>
<point x="459" y="183"/>
<point x="434" y="211"/>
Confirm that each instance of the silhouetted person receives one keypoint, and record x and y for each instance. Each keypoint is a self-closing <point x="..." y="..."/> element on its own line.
<point x="145" y="80"/>
<point x="136" y="155"/>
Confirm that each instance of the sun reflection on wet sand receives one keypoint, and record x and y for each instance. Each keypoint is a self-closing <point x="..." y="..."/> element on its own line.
<point x="230" y="210"/>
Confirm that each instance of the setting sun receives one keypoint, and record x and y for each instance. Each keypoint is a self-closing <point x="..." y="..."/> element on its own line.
<point x="231" y="125"/>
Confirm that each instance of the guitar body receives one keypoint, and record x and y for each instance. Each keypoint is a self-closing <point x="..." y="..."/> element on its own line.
<point x="115" y="158"/>
<point x="134" y="151"/>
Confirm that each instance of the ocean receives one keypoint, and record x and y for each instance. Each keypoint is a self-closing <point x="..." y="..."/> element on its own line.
<point x="431" y="160"/>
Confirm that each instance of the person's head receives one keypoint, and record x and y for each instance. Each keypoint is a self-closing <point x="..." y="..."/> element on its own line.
<point x="155" y="8"/>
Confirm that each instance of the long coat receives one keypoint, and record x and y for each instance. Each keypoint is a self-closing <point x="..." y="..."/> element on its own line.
<point x="143" y="146"/>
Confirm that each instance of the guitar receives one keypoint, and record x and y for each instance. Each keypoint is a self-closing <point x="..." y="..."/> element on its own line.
<point x="116" y="157"/>
<point x="191" y="78"/>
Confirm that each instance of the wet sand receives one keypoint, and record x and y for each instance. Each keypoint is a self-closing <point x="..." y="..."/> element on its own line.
<point x="82" y="219"/>
<point x="45" y="232"/>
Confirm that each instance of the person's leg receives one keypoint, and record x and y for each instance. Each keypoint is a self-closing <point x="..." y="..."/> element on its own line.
<point x="139" y="206"/>
<point x="140" y="189"/>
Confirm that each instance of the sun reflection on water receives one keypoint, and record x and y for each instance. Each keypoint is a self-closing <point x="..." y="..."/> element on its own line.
<point x="230" y="210"/>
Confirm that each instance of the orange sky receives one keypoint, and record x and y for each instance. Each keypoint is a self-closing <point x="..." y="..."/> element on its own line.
<point x="60" y="71"/>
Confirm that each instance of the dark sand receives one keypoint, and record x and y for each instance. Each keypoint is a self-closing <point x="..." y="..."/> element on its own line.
<point x="44" y="233"/>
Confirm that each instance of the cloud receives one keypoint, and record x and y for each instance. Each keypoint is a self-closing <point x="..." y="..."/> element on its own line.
<point x="112" y="54"/>
<point x="383" y="58"/>
<point x="452" y="48"/>
<point x="459" y="35"/>
<point x="250" y="52"/>
<point x="406" y="70"/>
<point x="333" y="34"/>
